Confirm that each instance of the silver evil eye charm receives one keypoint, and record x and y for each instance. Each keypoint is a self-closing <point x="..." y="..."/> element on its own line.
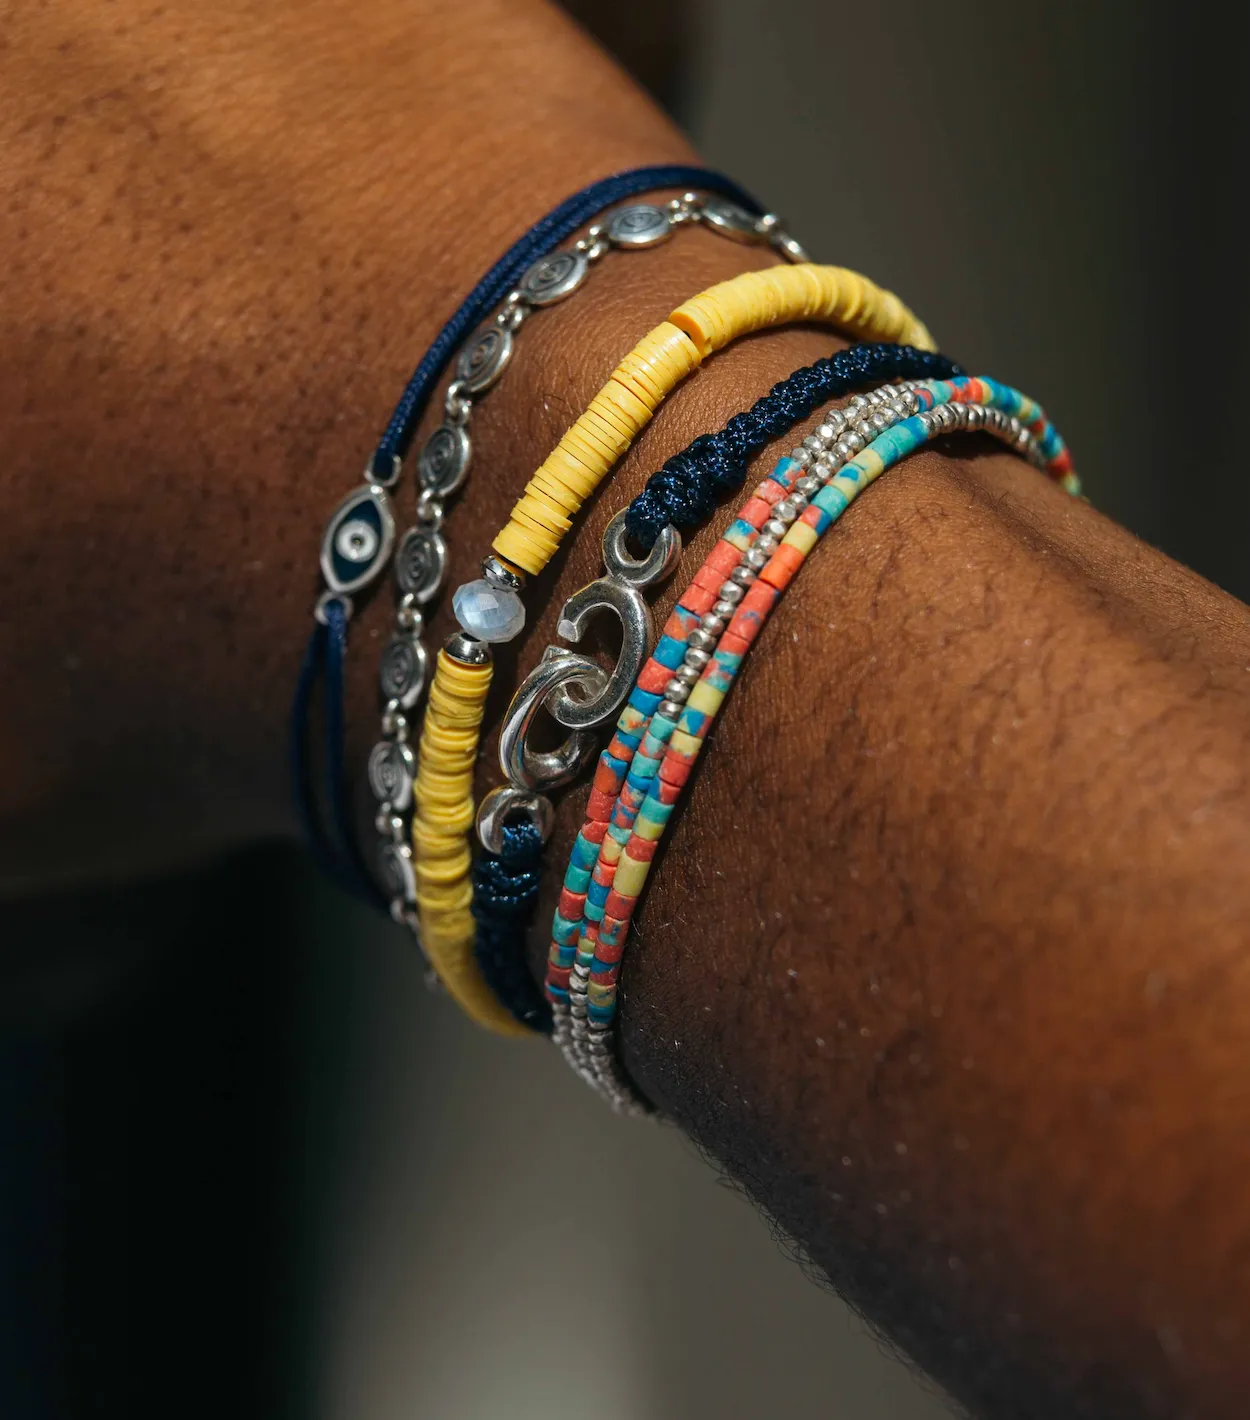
<point x="358" y="540"/>
<point x="405" y="662"/>
<point x="443" y="464"/>
<point x="553" y="278"/>
<point x="640" y="225"/>
<point x="484" y="358"/>
<point x="732" y="221"/>
<point x="420" y="561"/>
<point x="391" y="770"/>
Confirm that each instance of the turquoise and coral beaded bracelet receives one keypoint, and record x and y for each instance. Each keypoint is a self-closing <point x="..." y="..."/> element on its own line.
<point x="680" y="690"/>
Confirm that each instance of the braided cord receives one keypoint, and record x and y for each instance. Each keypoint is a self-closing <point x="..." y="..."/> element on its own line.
<point x="685" y="491"/>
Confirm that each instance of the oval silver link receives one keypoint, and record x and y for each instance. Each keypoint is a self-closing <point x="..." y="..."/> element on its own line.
<point x="405" y="664"/>
<point x="731" y="221"/>
<point x="554" y="277"/>
<point x="420" y="562"/>
<point x="443" y="464"/>
<point x="531" y="769"/>
<point x="484" y="358"/>
<point x="637" y="634"/>
<point x="638" y="226"/>
<point x="391" y="769"/>
<point x="324" y="602"/>
<point x="501" y="803"/>
<point x="654" y="567"/>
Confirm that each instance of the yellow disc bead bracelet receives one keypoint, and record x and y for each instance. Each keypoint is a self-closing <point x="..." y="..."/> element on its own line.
<point x="490" y="610"/>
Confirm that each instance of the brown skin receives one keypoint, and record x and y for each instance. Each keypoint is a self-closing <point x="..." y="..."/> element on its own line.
<point x="945" y="958"/>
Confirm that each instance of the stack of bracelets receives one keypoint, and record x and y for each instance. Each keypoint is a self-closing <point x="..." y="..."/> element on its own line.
<point x="661" y="697"/>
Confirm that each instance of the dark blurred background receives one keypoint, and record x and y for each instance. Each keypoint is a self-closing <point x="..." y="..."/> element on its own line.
<point x="249" y="1168"/>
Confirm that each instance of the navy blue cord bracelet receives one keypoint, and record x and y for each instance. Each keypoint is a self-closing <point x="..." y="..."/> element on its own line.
<point x="684" y="492"/>
<point x="334" y="842"/>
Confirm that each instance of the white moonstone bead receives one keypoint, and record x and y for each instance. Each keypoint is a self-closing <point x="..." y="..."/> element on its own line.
<point x="488" y="612"/>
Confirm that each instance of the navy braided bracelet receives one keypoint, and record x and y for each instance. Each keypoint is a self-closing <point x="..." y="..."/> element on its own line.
<point x="334" y="843"/>
<point x="684" y="492"/>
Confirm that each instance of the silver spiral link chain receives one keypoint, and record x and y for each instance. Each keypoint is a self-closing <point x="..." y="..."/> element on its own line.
<point x="420" y="554"/>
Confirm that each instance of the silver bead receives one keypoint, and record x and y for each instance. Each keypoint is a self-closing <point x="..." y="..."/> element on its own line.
<point x="669" y="708"/>
<point x="696" y="658"/>
<point x="768" y="543"/>
<point x="407" y="617"/>
<point x="500" y="575"/>
<point x="811" y="484"/>
<point x="881" y="421"/>
<point x="460" y="646"/>
<point x="712" y="622"/>
<point x="865" y="431"/>
<point x="845" y="448"/>
<point x="784" y="511"/>
<point x="815" y="444"/>
<point x="676" y="691"/>
<point x="702" y="640"/>
<point x="826" y="433"/>
<point x="754" y="558"/>
<point x="976" y="416"/>
<point x="802" y="457"/>
<point x="687" y="675"/>
<point x="731" y="593"/>
<point x="394" y="721"/>
<point x="723" y="609"/>
<point x="744" y="576"/>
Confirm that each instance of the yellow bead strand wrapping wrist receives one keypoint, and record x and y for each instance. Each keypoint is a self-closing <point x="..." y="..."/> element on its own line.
<point x="441" y="824"/>
<point x="620" y="411"/>
<point x="663" y="358"/>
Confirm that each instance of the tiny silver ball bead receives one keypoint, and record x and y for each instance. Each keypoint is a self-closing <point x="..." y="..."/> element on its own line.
<point x="669" y="708"/>
<point x="766" y="544"/>
<point x="723" y="609"/>
<point x="731" y="593"/>
<point x="825" y="433"/>
<point x="803" y="457"/>
<point x="383" y="821"/>
<point x="696" y="658"/>
<point x="676" y="690"/>
<point x="856" y="402"/>
<point x="838" y="420"/>
<point x="976" y="416"/>
<point x="785" y="511"/>
<point x="845" y="448"/>
<point x="688" y="675"/>
<point x="881" y="421"/>
<point x="810" y="485"/>
<point x="702" y="640"/>
<point x="712" y="622"/>
<point x="776" y="528"/>
<point x="744" y="576"/>
<point x="395" y="827"/>
<point x="754" y="557"/>
<point x="813" y="443"/>
<point x="394" y="724"/>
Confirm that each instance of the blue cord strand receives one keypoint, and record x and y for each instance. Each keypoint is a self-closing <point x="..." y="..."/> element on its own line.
<point x="505" y="893"/>
<point x="336" y="850"/>
<point x="684" y="492"/>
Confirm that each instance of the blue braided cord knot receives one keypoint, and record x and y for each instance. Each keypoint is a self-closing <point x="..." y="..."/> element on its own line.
<point x="685" y="491"/>
<point x="505" y="893"/>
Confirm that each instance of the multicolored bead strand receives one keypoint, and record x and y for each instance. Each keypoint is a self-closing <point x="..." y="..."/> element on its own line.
<point x="653" y="758"/>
